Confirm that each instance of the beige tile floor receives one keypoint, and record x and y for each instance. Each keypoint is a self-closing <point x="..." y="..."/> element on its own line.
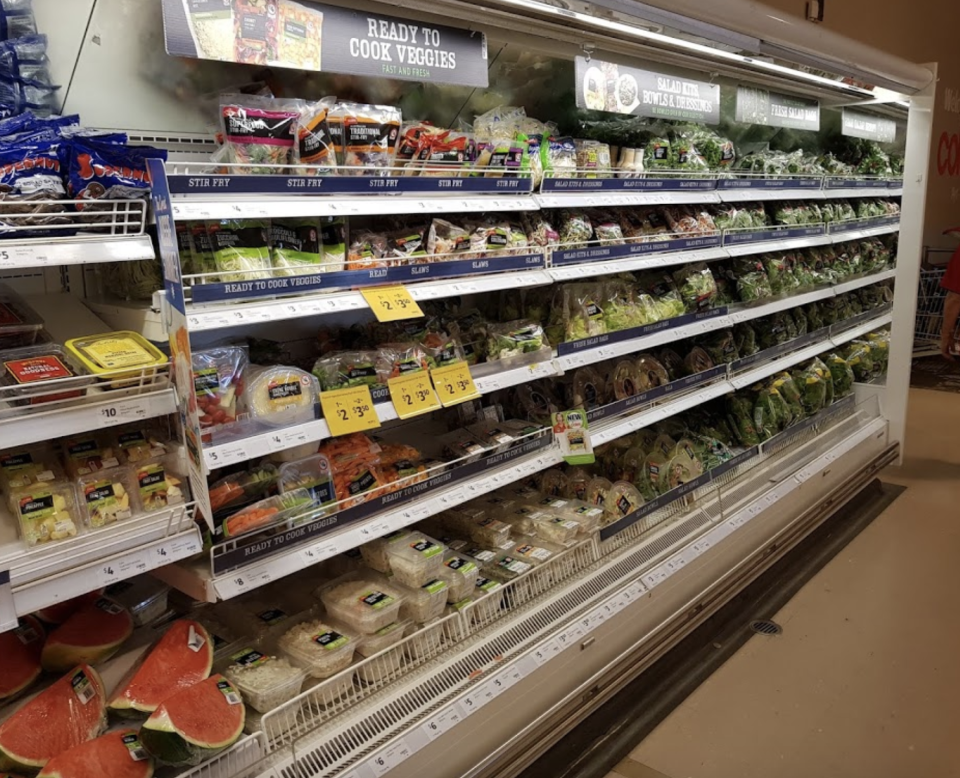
<point x="865" y="680"/>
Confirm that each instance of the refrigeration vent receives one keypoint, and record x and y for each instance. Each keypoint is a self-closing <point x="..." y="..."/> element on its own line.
<point x="766" y="627"/>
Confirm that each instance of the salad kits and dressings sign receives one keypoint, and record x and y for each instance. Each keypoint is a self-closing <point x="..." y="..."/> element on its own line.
<point x="761" y="106"/>
<point x="311" y="36"/>
<point x="606" y="86"/>
<point x="862" y="125"/>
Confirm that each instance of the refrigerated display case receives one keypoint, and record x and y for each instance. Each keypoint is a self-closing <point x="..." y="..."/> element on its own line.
<point x="370" y="309"/>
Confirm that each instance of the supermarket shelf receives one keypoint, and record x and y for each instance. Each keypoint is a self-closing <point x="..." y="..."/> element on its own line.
<point x="230" y="452"/>
<point x="786" y="244"/>
<point x="91" y="415"/>
<point x="579" y="199"/>
<point x="858" y="283"/>
<point x="752" y="195"/>
<point x="196" y="579"/>
<point x="781" y="304"/>
<point x="639" y="262"/>
<point x="784" y="362"/>
<point x="878" y="191"/>
<point x="45" y="575"/>
<point x="846" y="336"/>
<point x="50" y="252"/>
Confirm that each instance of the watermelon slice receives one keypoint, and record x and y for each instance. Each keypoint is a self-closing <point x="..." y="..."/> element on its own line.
<point x="20" y="650"/>
<point x="59" y="612"/>
<point x="91" y="635"/>
<point x="196" y="723"/>
<point x="66" y="714"/>
<point x="114" y="755"/>
<point x="183" y="657"/>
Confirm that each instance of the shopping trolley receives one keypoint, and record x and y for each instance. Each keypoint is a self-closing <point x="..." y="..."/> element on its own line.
<point x="930" y="300"/>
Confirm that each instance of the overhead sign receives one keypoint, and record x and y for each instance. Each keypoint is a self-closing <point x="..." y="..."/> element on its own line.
<point x="761" y="106"/>
<point x="857" y="124"/>
<point x="606" y="86"/>
<point x="312" y="36"/>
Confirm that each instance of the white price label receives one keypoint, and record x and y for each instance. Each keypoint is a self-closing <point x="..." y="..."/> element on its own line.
<point x="242" y="581"/>
<point x="386" y="760"/>
<point x="546" y="652"/>
<point x="132" y="566"/>
<point x="453" y="497"/>
<point x="108" y="573"/>
<point x="228" y="455"/>
<point x="182" y="547"/>
<point x="121" y="412"/>
<point x="477" y="699"/>
<point x="375" y="529"/>
<point x="442" y="722"/>
<point x="318" y="553"/>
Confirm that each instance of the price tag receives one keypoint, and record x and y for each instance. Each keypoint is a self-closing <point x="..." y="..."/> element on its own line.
<point x="385" y="761"/>
<point x="314" y="554"/>
<point x="413" y="394"/>
<point x="121" y="412"/>
<point x="108" y="573"/>
<point x="454" y="384"/>
<point x="179" y="549"/>
<point x="391" y="303"/>
<point x="349" y="410"/>
<point x="240" y="582"/>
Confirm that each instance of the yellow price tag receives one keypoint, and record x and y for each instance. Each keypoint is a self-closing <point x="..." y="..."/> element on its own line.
<point x="454" y="383"/>
<point x="391" y="303"/>
<point x="413" y="394"/>
<point x="349" y="410"/>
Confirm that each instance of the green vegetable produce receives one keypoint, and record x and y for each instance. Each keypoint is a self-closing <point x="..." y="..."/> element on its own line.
<point x="740" y="418"/>
<point x="696" y="285"/>
<point x="842" y="374"/>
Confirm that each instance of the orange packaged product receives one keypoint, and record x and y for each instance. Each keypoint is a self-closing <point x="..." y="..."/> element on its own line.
<point x="393" y="453"/>
<point x="347" y="448"/>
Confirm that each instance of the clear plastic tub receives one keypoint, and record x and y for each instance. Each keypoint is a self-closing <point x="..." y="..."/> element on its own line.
<point x="534" y="550"/>
<point x="24" y="370"/>
<point x="478" y="524"/>
<point x="20" y="325"/>
<point x="487" y="594"/>
<point x="586" y="515"/>
<point x="425" y="643"/>
<point x="493" y="435"/>
<point x="47" y="512"/>
<point x="109" y="353"/>
<point x="144" y="596"/>
<point x="265" y="681"/>
<point x="87" y="454"/>
<point x="312" y="473"/>
<point x="319" y="647"/>
<point x="382" y="639"/>
<point x="461" y="575"/>
<point x="218" y="381"/>
<point x="243" y="488"/>
<point x="461" y="445"/>
<point x="425" y="603"/>
<point x="282" y="396"/>
<point x="375" y="552"/>
<point x="139" y="445"/>
<point x="415" y="560"/>
<point x="108" y="496"/>
<point x="364" y="604"/>
<point x="270" y="511"/>
<point x="160" y="483"/>
<point x="523" y="520"/>
<point x="509" y="566"/>
<point x="495" y="502"/>
<point x="25" y="466"/>
<point x="556" y="529"/>
<point x="253" y="617"/>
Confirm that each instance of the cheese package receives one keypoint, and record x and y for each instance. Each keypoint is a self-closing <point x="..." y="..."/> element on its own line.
<point x="107" y="496"/>
<point x="281" y="396"/>
<point x="47" y="512"/>
<point x="159" y="483"/>
<point x="122" y="358"/>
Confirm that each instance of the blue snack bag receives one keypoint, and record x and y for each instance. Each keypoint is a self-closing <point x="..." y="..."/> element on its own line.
<point x="106" y="171"/>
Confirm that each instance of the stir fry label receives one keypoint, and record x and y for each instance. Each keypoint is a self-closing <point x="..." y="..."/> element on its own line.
<point x="312" y="36"/>
<point x="857" y="124"/>
<point x="413" y="394"/>
<point x="454" y="384"/>
<point x="391" y="303"/>
<point x="606" y="86"/>
<point x="761" y="106"/>
<point x="349" y="410"/>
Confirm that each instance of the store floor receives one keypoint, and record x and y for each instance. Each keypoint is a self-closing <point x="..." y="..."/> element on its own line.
<point x="863" y="682"/>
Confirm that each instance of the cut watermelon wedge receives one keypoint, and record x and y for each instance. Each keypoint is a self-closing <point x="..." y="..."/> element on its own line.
<point x="195" y="724"/>
<point x="114" y="755"/>
<point x="91" y="635"/>
<point x="66" y="714"/>
<point x="183" y="657"/>
<point x="20" y="658"/>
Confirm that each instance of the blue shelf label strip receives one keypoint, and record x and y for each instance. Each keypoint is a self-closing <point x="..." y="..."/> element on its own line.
<point x="565" y="349"/>
<point x="770" y="183"/>
<point x="772" y="353"/>
<point x="629" y="403"/>
<point x="347" y="279"/>
<point x="345" y="185"/>
<point x="649" y="184"/>
<point x="762" y="236"/>
<point x="600" y="253"/>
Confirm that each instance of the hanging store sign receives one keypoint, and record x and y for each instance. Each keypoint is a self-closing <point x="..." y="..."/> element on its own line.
<point x="606" y="86"/>
<point x="311" y="36"/>
<point x="862" y="125"/>
<point x="761" y="106"/>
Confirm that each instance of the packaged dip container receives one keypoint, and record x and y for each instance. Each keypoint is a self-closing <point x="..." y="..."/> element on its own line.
<point x="281" y="396"/>
<point x="46" y="512"/>
<point x="364" y="604"/>
<point x="319" y="647"/>
<point x="107" y="497"/>
<point x="144" y="596"/>
<point x="265" y="681"/>
<point x="19" y="323"/>
<point x="109" y="354"/>
<point x="24" y="371"/>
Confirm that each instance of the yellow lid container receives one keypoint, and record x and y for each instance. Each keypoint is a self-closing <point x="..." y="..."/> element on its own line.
<point x="109" y="355"/>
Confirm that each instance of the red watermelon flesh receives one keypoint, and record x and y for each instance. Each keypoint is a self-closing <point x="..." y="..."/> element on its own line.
<point x="20" y="658"/>
<point x="91" y="635"/>
<point x="66" y="714"/>
<point x="114" y="755"/>
<point x="59" y="612"/>
<point x="183" y="657"/>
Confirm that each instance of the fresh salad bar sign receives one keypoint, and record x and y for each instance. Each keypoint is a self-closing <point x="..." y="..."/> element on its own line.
<point x="311" y="36"/>
<point x="761" y="106"/>
<point x="606" y="86"/>
<point x="863" y="125"/>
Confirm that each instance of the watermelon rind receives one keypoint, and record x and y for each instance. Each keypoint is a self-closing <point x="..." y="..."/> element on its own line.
<point x="108" y="755"/>
<point x="28" y="627"/>
<point x="127" y="703"/>
<point x="171" y="746"/>
<point x="22" y="764"/>
<point x="59" y="654"/>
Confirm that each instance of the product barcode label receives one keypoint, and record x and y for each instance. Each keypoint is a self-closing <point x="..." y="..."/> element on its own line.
<point x="136" y="751"/>
<point x="195" y="641"/>
<point x="232" y="695"/>
<point x="82" y="687"/>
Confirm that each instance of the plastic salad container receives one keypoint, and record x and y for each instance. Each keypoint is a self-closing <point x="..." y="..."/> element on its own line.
<point x="461" y="575"/>
<point x="266" y="512"/>
<point x="382" y="639"/>
<point x="365" y="604"/>
<point x="265" y="681"/>
<point x="23" y="371"/>
<point x="554" y="528"/>
<point x="47" y="512"/>
<point x="19" y="323"/>
<point x="374" y="552"/>
<point x="319" y="647"/>
<point x="313" y="474"/>
<point x="107" y="496"/>
<point x="144" y="596"/>
<point x="415" y="560"/>
<point x="254" y="617"/>
<point x="486" y="593"/>
<point x="586" y="515"/>
<point x="508" y="566"/>
<point x="534" y="550"/>
<point x="218" y="378"/>
<point x="424" y="603"/>
<point x="243" y="488"/>
<point x="281" y="396"/>
<point x="139" y="445"/>
<point x="107" y="355"/>
<point x="159" y="483"/>
<point x="476" y="524"/>
<point x="87" y="454"/>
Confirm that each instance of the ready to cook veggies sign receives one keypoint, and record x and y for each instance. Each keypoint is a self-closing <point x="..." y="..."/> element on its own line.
<point x="311" y="36"/>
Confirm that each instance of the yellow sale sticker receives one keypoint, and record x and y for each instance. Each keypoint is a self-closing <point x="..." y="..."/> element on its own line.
<point x="454" y="383"/>
<point x="349" y="410"/>
<point x="391" y="303"/>
<point x="413" y="394"/>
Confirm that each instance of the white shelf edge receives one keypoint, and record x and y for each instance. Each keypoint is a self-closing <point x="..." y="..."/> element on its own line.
<point x="743" y="380"/>
<point x="575" y="199"/>
<point x="763" y="195"/>
<point x="858" y="283"/>
<point x="609" y="267"/>
<point x="853" y="194"/>
<point x="787" y="244"/>
<point x="781" y="304"/>
<point x="39" y="252"/>
<point x="92" y="415"/>
<point x="852" y="334"/>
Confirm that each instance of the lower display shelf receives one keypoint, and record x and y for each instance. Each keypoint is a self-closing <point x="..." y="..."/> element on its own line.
<point x="424" y="718"/>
